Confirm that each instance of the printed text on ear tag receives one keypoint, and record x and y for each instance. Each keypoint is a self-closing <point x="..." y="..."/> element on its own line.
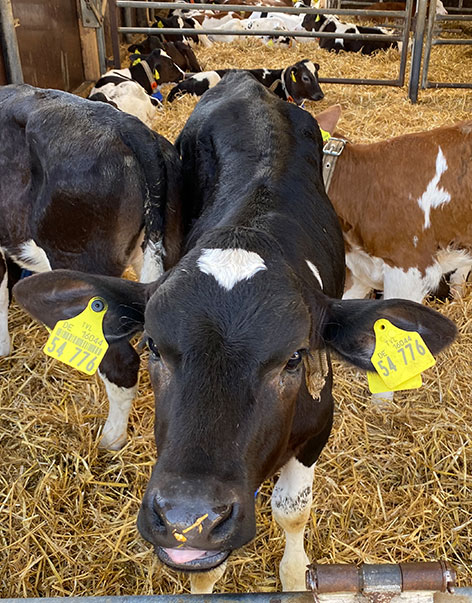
<point x="79" y="341"/>
<point x="399" y="355"/>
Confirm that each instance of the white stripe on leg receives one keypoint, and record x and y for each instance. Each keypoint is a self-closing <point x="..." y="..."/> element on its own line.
<point x="120" y="399"/>
<point x="291" y="504"/>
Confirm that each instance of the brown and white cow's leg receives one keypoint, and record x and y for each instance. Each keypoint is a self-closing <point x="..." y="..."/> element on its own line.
<point x="4" y="299"/>
<point x="291" y="504"/>
<point x="202" y="583"/>
<point x="119" y="372"/>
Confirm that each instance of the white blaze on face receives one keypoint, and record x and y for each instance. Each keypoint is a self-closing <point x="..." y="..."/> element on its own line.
<point x="434" y="196"/>
<point x="230" y="266"/>
<point x="316" y="272"/>
<point x="311" y="68"/>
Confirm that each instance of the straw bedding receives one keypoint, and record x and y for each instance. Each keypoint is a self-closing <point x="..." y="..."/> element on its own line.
<point x="394" y="483"/>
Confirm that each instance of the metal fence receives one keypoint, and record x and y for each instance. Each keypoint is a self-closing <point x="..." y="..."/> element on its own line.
<point x="404" y="18"/>
<point x="433" y="38"/>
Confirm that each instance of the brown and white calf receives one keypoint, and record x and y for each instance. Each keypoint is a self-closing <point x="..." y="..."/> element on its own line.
<point x="81" y="185"/>
<point x="406" y="212"/>
<point x="239" y="331"/>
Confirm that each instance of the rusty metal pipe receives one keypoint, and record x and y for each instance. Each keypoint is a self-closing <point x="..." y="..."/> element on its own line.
<point x="435" y="576"/>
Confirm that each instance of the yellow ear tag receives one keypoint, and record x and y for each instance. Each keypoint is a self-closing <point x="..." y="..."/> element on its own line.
<point x="325" y="135"/>
<point x="292" y="75"/>
<point x="399" y="358"/>
<point x="160" y="24"/>
<point x="135" y="62"/>
<point x="79" y="341"/>
<point x="156" y="74"/>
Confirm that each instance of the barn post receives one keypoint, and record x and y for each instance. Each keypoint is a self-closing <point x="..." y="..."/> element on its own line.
<point x="9" y="41"/>
<point x="417" y="51"/>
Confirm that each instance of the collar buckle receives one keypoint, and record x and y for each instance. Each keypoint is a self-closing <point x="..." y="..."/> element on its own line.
<point x="334" y="147"/>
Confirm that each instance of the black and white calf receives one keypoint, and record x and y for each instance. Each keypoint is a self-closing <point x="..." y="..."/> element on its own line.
<point x="180" y="52"/>
<point x="294" y="83"/>
<point x="331" y="23"/>
<point x="239" y="331"/>
<point x="82" y="185"/>
<point x="130" y="89"/>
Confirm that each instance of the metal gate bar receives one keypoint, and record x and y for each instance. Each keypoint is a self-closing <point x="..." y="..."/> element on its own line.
<point x="432" y="39"/>
<point x="403" y="37"/>
<point x="464" y="595"/>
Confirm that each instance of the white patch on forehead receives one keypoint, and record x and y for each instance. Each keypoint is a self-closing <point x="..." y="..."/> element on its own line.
<point x="434" y="196"/>
<point x="311" y="68"/>
<point x="415" y="240"/>
<point x="31" y="257"/>
<point x="229" y="266"/>
<point x="316" y="272"/>
<point x="265" y="72"/>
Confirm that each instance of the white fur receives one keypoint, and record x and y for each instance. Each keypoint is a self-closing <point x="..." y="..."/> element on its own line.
<point x="212" y="77"/>
<point x="114" y="434"/>
<point x="434" y="196"/>
<point x="316" y="272"/>
<point x="203" y="582"/>
<point x="4" y="335"/>
<point x="31" y="257"/>
<point x="153" y="266"/>
<point x="310" y="66"/>
<point x="367" y="273"/>
<point x="131" y="97"/>
<point x="291" y="504"/>
<point x="409" y="284"/>
<point x="230" y="266"/>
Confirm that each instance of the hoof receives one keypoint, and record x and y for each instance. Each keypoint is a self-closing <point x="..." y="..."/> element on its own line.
<point x="111" y="441"/>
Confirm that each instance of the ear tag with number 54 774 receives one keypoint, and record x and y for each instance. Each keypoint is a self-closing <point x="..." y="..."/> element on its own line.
<point x="399" y="358"/>
<point x="79" y="341"/>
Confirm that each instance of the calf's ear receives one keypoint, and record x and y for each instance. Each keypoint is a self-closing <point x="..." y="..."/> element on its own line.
<point x="348" y="326"/>
<point x="62" y="294"/>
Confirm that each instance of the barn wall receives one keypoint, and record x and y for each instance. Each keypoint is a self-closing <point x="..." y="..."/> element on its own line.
<point x="49" y="42"/>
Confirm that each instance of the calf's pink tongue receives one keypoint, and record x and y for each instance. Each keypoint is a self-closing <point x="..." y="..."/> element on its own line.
<point x="185" y="555"/>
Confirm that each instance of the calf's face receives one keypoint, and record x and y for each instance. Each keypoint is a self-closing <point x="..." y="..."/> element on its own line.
<point x="226" y="364"/>
<point x="230" y="333"/>
<point x="302" y="81"/>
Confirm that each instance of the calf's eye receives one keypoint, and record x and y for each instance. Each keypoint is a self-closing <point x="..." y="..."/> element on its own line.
<point x="153" y="349"/>
<point x="294" y="361"/>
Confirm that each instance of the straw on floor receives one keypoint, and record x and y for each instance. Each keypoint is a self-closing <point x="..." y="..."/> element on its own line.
<point x="394" y="483"/>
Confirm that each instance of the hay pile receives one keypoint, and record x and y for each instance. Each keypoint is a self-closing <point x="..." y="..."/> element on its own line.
<point x="394" y="483"/>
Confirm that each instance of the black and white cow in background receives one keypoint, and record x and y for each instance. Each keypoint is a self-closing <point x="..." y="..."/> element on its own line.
<point x="294" y="83"/>
<point x="239" y="331"/>
<point x="331" y="23"/>
<point x="180" y="52"/>
<point x="130" y="89"/>
<point x="81" y="185"/>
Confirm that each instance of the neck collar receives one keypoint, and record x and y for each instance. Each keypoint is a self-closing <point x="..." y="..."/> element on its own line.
<point x="149" y="75"/>
<point x="288" y="97"/>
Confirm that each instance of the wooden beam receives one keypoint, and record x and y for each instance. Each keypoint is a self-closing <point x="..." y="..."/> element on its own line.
<point x="88" y="42"/>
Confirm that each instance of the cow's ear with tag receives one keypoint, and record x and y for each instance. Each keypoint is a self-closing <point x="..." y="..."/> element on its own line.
<point x="348" y="326"/>
<point x="63" y="294"/>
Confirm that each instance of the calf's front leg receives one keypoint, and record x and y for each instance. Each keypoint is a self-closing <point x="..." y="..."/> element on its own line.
<point x="291" y="504"/>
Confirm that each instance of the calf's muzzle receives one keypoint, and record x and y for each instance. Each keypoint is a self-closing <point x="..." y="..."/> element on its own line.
<point x="194" y="524"/>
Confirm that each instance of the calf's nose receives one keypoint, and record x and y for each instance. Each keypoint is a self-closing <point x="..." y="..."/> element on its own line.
<point x="198" y="524"/>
